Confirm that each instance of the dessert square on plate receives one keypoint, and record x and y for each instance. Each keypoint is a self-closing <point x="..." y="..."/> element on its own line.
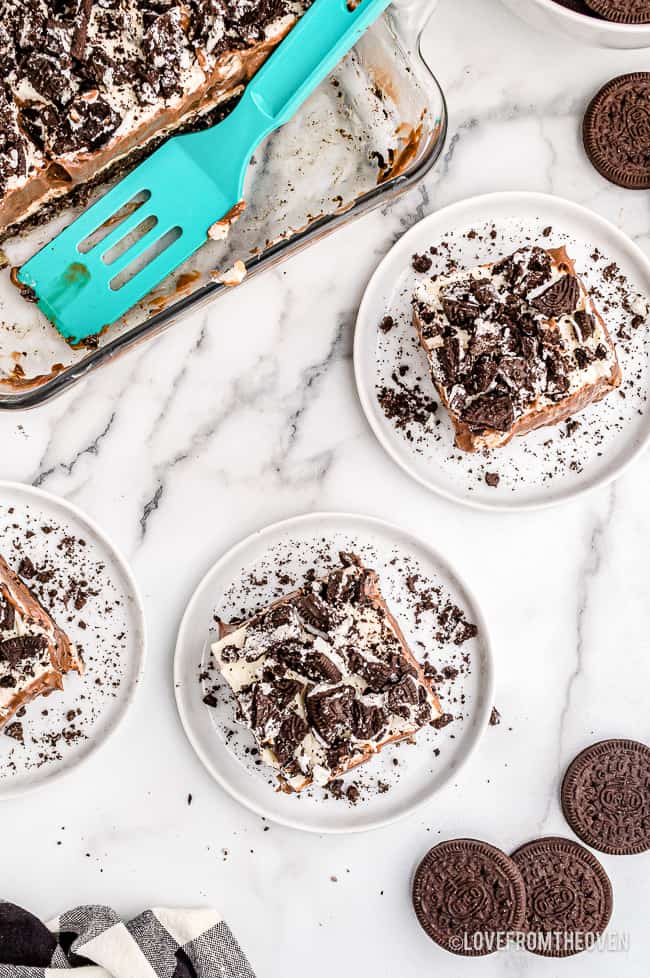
<point x="34" y="652"/>
<point x="324" y="677"/>
<point x="514" y="345"/>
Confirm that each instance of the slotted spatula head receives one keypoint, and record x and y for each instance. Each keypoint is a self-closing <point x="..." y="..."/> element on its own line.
<point x="116" y="252"/>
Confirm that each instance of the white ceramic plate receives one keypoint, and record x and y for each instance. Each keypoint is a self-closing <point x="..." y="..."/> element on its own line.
<point x="547" y="466"/>
<point x="273" y="562"/>
<point x="91" y="593"/>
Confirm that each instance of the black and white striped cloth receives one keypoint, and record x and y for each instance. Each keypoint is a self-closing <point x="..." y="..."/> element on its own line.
<point x="93" y="942"/>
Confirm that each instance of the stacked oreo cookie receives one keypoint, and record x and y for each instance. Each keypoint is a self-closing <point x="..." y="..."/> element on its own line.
<point x="551" y="896"/>
<point x="616" y="130"/>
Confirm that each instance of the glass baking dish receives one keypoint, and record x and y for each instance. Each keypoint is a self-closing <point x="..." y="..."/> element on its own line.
<point x="368" y="134"/>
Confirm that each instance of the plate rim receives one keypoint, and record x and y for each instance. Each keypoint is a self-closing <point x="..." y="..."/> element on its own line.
<point x="8" y="485"/>
<point x="511" y="505"/>
<point x="481" y="717"/>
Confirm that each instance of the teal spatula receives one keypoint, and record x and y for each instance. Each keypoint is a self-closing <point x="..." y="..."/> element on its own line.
<point x="186" y="185"/>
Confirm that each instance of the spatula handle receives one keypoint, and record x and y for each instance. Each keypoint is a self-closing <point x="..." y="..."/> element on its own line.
<point x="313" y="48"/>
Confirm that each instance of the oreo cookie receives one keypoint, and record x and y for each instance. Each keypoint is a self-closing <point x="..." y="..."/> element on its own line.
<point x="616" y="130"/>
<point x="467" y="892"/>
<point x="569" y="897"/>
<point x="622" y="11"/>
<point x="606" y="796"/>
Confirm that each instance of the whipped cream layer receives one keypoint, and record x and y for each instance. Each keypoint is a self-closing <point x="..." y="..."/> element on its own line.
<point x="324" y="678"/>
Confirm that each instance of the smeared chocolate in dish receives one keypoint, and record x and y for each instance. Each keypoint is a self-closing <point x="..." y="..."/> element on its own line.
<point x="466" y="891"/>
<point x="569" y="897"/>
<point x="324" y="677"/>
<point x="514" y="345"/>
<point x="622" y="11"/>
<point x="34" y="652"/>
<point x="606" y="796"/>
<point x="616" y="131"/>
<point x="86" y="84"/>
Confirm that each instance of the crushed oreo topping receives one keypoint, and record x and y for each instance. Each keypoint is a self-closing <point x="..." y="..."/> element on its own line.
<point x="323" y="677"/>
<point x="501" y="338"/>
<point x="13" y="650"/>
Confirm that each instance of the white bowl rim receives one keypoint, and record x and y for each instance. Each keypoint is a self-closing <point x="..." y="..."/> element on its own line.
<point x="575" y="17"/>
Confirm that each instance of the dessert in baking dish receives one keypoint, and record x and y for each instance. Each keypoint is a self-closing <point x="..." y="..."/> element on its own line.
<point x="514" y="345"/>
<point x="34" y="652"/>
<point x="325" y="679"/>
<point x="88" y="86"/>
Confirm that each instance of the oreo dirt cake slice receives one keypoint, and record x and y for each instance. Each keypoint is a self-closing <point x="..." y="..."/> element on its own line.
<point x="514" y="345"/>
<point x="324" y="677"/>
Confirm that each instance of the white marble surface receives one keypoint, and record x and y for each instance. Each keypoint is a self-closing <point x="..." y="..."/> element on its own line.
<point x="247" y="414"/>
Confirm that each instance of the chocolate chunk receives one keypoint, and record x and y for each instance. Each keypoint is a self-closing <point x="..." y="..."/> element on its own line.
<point x="464" y="891"/>
<point x="516" y="372"/>
<point x="342" y="587"/>
<point x="278" y="617"/>
<point x="15" y="731"/>
<point x="492" y="479"/>
<point x="89" y="124"/>
<point x="483" y="374"/>
<point x="557" y="373"/>
<point x="45" y="76"/>
<point x="230" y="654"/>
<point x="582" y="357"/>
<point x="616" y="129"/>
<point x="316" y="666"/>
<point x="560" y="299"/>
<point x="7" y="614"/>
<point x="377" y="675"/>
<point x="349" y="559"/>
<point x="402" y="697"/>
<point x="284" y="691"/>
<point x="442" y="721"/>
<point x="26" y="568"/>
<point x="292" y="732"/>
<point x="263" y="709"/>
<point x="569" y="896"/>
<point x="421" y="263"/>
<point x="386" y="324"/>
<point x="586" y="325"/>
<point x="368" y="722"/>
<point x="330" y="713"/>
<point x="12" y="650"/>
<point x="449" y="359"/>
<point x="606" y="796"/>
<point x="78" y="47"/>
<point x="459" y="312"/>
<point x="483" y="291"/>
<point x="313" y="611"/>
<point x="352" y="794"/>
<point x="524" y="270"/>
<point x="490" y="411"/>
<point x="163" y="45"/>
